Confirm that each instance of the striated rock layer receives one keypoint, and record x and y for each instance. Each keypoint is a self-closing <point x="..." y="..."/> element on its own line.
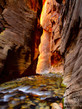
<point x="44" y="59"/>
<point x="50" y="40"/>
<point x="18" y="21"/>
<point x="71" y="48"/>
<point x="62" y="19"/>
<point x="61" y="42"/>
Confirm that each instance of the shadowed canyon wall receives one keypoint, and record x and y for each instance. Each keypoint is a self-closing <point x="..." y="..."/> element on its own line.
<point x="19" y="30"/>
<point x="61" y="43"/>
<point x="71" y="48"/>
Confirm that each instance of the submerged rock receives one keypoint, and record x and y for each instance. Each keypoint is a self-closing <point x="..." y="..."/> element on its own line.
<point x="55" y="106"/>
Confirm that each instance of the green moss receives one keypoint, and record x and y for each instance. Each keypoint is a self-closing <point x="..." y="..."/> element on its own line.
<point x="3" y="28"/>
<point x="63" y="85"/>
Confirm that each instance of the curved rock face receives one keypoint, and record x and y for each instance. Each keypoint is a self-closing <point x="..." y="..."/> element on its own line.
<point x="18" y="19"/>
<point x="50" y="40"/>
<point x="71" y="48"/>
<point x="63" y="20"/>
<point x="62" y="37"/>
<point x="44" y="59"/>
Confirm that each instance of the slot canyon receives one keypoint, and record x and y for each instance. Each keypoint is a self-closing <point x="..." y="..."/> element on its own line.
<point x="40" y="54"/>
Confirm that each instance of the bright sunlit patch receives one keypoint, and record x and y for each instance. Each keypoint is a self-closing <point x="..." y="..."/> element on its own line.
<point x="44" y="1"/>
<point x="43" y="11"/>
<point x="44" y="59"/>
<point x="2" y="33"/>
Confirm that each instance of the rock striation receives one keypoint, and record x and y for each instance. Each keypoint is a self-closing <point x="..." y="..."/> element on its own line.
<point x="62" y="19"/>
<point x="18" y="21"/>
<point x="50" y="39"/>
<point x="60" y="47"/>
<point x="71" y="48"/>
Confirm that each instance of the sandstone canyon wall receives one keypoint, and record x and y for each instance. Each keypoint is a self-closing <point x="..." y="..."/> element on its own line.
<point x="61" y="21"/>
<point x="18" y="21"/>
<point x="50" y="59"/>
<point x="71" y="48"/>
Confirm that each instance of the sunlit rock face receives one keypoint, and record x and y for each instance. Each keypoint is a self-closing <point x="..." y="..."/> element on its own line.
<point x="44" y="59"/>
<point x="18" y="21"/>
<point x="62" y="19"/>
<point x="48" y="14"/>
<point x="50" y="22"/>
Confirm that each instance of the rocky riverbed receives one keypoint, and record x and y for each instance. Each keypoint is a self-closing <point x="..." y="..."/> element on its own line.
<point x="34" y="92"/>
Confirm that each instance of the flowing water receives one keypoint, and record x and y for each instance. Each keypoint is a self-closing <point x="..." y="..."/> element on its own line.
<point x="34" y="92"/>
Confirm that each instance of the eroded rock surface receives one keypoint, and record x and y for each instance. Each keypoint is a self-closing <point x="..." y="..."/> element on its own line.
<point x="50" y="39"/>
<point x="63" y="20"/>
<point x="18" y="21"/>
<point x="71" y="47"/>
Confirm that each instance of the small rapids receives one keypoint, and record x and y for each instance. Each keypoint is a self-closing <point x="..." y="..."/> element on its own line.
<point x="34" y="92"/>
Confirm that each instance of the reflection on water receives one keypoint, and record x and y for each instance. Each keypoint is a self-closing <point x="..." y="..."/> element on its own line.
<point x="35" y="92"/>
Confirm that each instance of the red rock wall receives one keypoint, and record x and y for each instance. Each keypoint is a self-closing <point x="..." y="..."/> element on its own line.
<point x="71" y="48"/>
<point x="18" y="21"/>
<point x="63" y="21"/>
<point x="51" y="38"/>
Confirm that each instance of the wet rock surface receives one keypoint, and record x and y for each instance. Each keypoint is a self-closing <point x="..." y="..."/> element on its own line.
<point x="34" y="92"/>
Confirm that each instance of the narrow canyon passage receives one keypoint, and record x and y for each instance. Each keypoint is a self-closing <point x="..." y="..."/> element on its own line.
<point x="38" y="91"/>
<point x="40" y="54"/>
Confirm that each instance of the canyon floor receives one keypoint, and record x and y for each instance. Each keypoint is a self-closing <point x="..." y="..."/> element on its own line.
<point x="33" y="92"/>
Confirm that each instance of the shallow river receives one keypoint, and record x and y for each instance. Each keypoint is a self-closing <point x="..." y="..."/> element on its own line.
<point x="34" y="92"/>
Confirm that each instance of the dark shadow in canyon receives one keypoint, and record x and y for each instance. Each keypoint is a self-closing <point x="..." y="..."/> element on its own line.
<point x="17" y="59"/>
